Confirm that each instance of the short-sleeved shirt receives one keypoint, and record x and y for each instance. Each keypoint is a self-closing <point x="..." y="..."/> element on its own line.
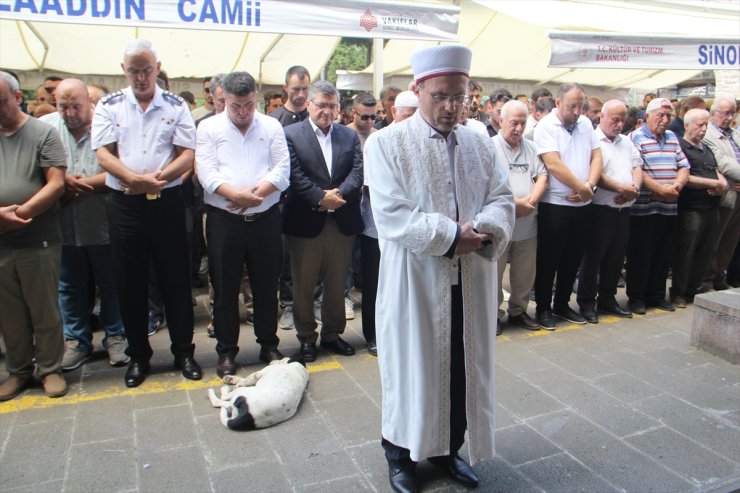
<point x="287" y="117"/>
<point x="619" y="156"/>
<point x="574" y="146"/>
<point x="661" y="161"/>
<point x="145" y="139"/>
<point x="84" y="222"/>
<point x="524" y="167"/>
<point x="703" y="165"/>
<point x="23" y="155"/>
<point x="224" y="155"/>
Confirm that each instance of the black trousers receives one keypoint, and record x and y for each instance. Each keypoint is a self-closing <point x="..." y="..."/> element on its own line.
<point x="370" y="263"/>
<point x="232" y="244"/>
<point x="562" y="234"/>
<point x="400" y="456"/>
<point x="604" y="256"/>
<point x="693" y="247"/>
<point x="141" y="229"/>
<point x="649" y="256"/>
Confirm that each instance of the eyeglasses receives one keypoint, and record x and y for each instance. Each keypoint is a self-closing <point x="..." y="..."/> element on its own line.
<point x="326" y="106"/>
<point x="138" y="73"/>
<point x="365" y="118"/>
<point x="207" y="90"/>
<point x="457" y="100"/>
<point x="49" y="89"/>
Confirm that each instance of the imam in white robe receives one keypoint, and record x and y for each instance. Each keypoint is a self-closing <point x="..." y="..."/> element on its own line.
<point x="413" y="203"/>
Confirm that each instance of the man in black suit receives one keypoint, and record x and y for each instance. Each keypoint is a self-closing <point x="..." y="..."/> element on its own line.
<point x="321" y="217"/>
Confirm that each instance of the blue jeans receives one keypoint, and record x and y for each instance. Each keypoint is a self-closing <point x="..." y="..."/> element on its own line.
<point x="78" y="262"/>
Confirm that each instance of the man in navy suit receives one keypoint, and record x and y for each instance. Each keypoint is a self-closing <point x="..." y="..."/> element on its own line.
<point x="321" y="217"/>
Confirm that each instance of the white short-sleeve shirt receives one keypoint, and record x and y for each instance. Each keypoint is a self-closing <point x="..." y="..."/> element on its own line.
<point x="146" y="140"/>
<point x="550" y="135"/>
<point x="620" y="156"/>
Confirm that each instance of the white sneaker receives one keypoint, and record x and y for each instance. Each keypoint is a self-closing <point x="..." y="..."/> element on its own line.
<point x="349" y="309"/>
<point x="116" y="351"/>
<point x="286" y="318"/>
<point x="74" y="356"/>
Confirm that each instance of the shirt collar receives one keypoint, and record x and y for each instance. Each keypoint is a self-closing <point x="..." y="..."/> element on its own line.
<point x="602" y="136"/>
<point x="434" y="134"/>
<point x="157" y="99"/>
<point x="317" y="130"/>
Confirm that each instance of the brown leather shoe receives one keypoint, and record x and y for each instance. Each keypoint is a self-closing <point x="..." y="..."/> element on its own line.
<point x="54" y="385"/>
<point x="269" y="354"/>
<point x="14" y="385"/>
<point x="524" y="321"/>
<point x="226" y="365"/>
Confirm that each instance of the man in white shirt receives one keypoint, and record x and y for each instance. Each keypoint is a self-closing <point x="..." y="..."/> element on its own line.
<point x="144" y="138"/>
<point x="528" y="181"/>
<point x="566" y="143"/>
<point x="619" y="186"/>
<point x="243" y="165"/>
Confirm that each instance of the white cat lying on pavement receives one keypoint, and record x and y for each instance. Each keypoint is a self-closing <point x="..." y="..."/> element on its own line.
<point x="264" y="398"/>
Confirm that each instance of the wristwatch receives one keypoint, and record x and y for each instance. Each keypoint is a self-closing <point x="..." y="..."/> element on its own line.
<point x="592" y="187"/>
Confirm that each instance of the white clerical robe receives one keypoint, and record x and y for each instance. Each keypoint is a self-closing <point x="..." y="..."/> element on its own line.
<point x="414" y="207"/>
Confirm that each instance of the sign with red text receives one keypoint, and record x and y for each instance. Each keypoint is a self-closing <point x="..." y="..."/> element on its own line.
<point x="366" y="19"/>
<point x="597" y="50"/>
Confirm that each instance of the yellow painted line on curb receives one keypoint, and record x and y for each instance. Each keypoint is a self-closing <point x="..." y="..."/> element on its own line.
<point x="603" y="319"/>
<point x="150" y="386"/>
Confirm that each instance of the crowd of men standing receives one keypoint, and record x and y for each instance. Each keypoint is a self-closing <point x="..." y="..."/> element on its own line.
<point x="289" y="212"/>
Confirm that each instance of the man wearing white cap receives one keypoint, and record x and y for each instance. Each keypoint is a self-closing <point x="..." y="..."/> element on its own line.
<point x="443" y="212"/>
<point x="405" y="105"/>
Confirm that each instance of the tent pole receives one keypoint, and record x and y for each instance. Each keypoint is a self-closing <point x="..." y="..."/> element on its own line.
<point x="41" y="39"/>
<point x="378" y="66"/>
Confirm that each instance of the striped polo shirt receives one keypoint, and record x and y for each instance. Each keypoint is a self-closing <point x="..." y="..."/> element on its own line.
<point x="661" y="160"/>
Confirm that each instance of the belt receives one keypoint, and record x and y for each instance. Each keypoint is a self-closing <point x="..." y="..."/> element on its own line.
<point x="247" y="218"/>
<point x="148" y="196"/>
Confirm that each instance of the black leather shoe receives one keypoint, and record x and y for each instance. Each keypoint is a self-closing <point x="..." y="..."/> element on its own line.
<point x="545" y="319"/>
<point x="457" y="469"/>
<point x="226" y="365"/>
<point x="189" y="367"/>
<point x="403" y="480"/>
<point x="524" y="321"/>
<point x="136" y="373"/>
<point x="372" y="348"/>
<point x="270" y="353"/>
<point x="568" y="314"/>
<point x="308" y="351"/>
<point x="590" y="315"/>
<point x="637" y="306"/>
<point x="662" y="305"/>
<point x="615" y="309"/>
<point x="338" y="346"/>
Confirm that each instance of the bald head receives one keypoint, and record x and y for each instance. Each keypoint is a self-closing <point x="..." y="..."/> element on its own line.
<point x="613" y="115"/>
<point x="73" y="104"/>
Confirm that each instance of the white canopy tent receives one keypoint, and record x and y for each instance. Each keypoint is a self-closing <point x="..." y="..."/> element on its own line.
<point x="197" y="38"/>
<point x="509" y="38"/>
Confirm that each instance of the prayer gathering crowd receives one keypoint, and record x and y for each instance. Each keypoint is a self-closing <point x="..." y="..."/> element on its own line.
<point x="113" y="205"/>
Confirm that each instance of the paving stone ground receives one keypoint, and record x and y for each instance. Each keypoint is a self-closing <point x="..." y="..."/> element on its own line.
<point x="618" y="406"/>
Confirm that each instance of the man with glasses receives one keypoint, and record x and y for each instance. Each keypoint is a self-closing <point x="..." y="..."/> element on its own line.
<point x="665" y="171"/>
<point x="363" y="116"/>
<point x="145" y="138"/>
<point x="443" y="212"/>
<point x="243" y="164"/>
<point x="321" y="217"/>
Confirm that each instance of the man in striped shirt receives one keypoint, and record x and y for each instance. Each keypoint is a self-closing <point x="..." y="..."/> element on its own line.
<point x="653" y="215"/>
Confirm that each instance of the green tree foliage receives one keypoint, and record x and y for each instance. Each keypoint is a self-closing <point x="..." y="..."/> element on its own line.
<point x="351" y="54"/>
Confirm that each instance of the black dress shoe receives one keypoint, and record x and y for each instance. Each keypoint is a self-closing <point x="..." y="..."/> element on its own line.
<point x="308" y="351"/>
<point x="403" y="480"/>
<point x="615" y="309"/>
<point x="662" y="304"/>
<point x="189" y="367"/>
<point x="637" y="306"/>
<point x="457" y="469"/>
<point x="338" y="346"/>
<point x="269" y="354"/>
<point x="226" y="365"/>
<point x="372" y="348"/>
<point x="499" y="328"/>
<point x="590" y="315"/>
<point x="568" y="314"/>
<point x="545" y="319"/>
<point x="524" y="321"/>
<point x="136" y="373"/>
